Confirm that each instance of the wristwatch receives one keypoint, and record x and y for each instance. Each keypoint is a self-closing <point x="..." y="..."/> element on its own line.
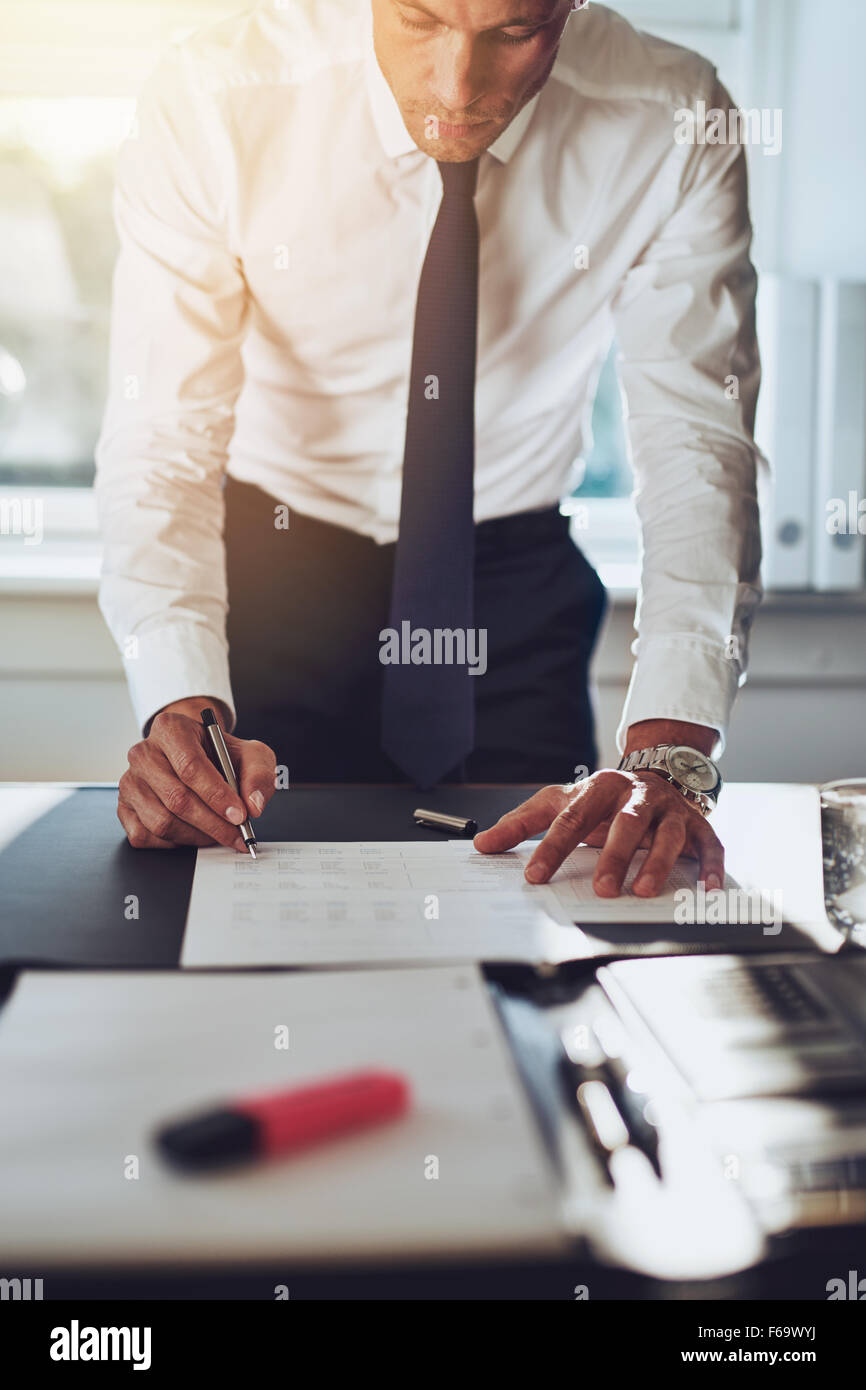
<point x="693" y="773"/>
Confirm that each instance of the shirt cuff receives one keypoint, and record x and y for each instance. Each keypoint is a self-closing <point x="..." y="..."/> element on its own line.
<point x="682" y="678"/>
<point x="176" y="662"/>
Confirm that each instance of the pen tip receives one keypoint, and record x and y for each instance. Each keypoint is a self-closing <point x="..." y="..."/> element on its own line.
<point x="252" y="851"/>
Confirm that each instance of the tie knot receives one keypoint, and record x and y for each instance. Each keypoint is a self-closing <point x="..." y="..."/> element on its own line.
<point x="460" y="180"/>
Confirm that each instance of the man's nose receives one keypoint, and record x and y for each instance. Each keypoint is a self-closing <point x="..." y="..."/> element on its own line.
<point x="458" y="78"/>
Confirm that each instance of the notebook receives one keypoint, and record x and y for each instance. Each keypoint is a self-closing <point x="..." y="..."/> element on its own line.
<point x="91" y="1064"/>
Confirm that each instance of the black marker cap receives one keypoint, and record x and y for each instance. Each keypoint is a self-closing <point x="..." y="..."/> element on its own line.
<point x="210" y="1140"/>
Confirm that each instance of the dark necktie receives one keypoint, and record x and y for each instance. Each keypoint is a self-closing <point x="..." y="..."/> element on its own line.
<point x="428" y="708"/>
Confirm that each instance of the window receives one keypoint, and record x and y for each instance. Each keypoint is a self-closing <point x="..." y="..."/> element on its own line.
<point x="610" y="534"/>
<point x="606" y="470"/>
<point x="67" y="101"/>
<point x="69" y="77"/>
<point x="58" y="249"/>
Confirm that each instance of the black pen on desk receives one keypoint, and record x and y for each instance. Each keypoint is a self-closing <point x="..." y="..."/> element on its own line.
<point x="631" y="1101"/>
<point x="209" y="719"/>
<point x="437" y="820"/>
<point x="604" y="1122"/>
<point x="596" y="1062"/>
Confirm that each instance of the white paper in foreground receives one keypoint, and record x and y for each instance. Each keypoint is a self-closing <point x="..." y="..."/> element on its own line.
<point x="91" y="1064"/>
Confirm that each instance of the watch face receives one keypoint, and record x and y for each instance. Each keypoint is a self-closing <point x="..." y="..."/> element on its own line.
<point x="692" y="769"/>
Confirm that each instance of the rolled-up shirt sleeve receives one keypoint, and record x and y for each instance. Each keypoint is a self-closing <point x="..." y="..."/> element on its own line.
<point x="178" y="321"/>
<point x="690" y="372"/>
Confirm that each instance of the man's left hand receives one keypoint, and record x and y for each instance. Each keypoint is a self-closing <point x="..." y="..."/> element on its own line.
<point x="621" y="812"/>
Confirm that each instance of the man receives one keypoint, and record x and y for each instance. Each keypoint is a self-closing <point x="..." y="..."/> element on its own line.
<point x="373" y="256"/>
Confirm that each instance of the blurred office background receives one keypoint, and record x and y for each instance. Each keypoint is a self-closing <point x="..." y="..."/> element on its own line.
<point x="69" y="73"/>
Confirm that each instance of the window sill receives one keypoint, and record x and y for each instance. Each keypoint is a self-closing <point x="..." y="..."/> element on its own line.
<point x="64" y="570"/>
<point x="66" y="564"/>
<point x="72" y="571"/>
<point x="67" y="561"/>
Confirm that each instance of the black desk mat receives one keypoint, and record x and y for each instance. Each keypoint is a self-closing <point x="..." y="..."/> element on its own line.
<point x="65" y="882"/>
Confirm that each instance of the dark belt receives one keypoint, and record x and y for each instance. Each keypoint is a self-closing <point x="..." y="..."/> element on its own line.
<point x="549" y="523"/>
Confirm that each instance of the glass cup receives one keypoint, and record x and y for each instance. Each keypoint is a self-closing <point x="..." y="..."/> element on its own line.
<point x="843" y="831"/>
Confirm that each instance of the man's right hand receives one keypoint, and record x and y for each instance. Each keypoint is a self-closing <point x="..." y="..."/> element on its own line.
<point x="172" y="794"/>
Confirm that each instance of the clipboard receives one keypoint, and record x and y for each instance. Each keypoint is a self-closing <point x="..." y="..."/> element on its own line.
<point x="760" y="1115"/>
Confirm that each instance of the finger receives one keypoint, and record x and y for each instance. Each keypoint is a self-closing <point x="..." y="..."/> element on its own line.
<point x="598" y="837"/>
<point x="525" y="820"/>
<point x="138" y="836"/>
<point x="156" y="817"/>
<point x="599" y="798"/>
<point x="181" y="741"/>
<point x="627" y="830"/>
<point x="668" y="842"/>
<point x="149" y="765"/>
<point x="256" y="766"/>
<point x="711" y="856"/>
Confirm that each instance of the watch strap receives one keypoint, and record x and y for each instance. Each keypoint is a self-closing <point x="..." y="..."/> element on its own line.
<point x="653" y="759"/>
<point x="643" y="758"/>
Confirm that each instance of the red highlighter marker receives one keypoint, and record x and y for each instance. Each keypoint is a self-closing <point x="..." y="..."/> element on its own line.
<point x="284" y="1121"/>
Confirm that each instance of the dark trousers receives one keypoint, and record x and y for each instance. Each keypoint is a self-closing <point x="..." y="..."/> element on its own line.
<point x="307" y="604"/>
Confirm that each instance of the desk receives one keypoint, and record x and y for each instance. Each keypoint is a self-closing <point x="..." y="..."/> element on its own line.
<point x="65" y="874"/>
<point x="67" y="871"/>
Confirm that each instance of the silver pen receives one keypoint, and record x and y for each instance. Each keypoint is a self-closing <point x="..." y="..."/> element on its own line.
<point x="209" y="719"/>
<point x="438" y="820"/>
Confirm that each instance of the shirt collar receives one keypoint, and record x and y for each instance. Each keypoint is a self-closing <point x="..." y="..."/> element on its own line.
<point x="389" y="122"/>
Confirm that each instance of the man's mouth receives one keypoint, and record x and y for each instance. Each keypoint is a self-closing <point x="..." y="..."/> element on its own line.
<point x="458" y="132"/>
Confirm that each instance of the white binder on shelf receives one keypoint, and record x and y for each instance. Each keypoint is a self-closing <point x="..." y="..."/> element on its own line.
<point x="840" y="475"/>
<point x="786" y="426"/>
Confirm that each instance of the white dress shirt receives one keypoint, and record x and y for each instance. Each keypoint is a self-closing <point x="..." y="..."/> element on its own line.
<point x="274" y="215"/>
